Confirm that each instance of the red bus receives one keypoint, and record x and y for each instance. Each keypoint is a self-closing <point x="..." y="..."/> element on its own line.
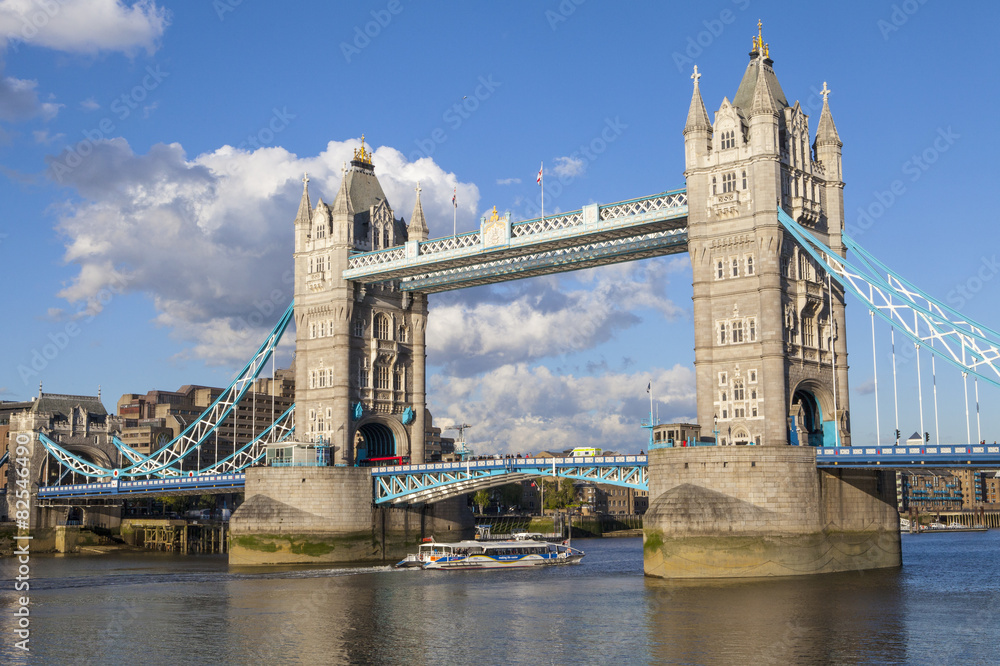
<point x="385" y="462"/>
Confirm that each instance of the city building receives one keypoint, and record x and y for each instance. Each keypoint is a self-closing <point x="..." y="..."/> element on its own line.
<point x="436" y="447"/>
<point x="150" y="420"/>
<point x="948" y="490"/>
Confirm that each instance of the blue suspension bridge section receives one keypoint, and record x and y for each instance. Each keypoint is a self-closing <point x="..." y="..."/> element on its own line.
<point x="594" y="235"/>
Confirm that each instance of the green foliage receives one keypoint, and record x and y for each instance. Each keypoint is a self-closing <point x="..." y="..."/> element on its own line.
<point x="511" y="494"/>
<point x="481" y="498"/>
<point x="559" y="495"/>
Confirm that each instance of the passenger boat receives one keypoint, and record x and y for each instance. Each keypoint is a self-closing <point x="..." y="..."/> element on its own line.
<point x="491" y="555"/>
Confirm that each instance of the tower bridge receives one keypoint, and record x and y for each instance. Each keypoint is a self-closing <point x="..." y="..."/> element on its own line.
<point x="761" y="217"/>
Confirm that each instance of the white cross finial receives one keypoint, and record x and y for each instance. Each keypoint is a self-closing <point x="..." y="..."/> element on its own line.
<point x="343" y="170"/>
<point x="696" y="75"/>
<point x="825" y="92"/>
<point x="305" y="177"/>
<point x="417" y="188"/>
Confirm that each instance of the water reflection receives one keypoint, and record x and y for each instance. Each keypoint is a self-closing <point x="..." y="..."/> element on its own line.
<point x="830" y="618"/>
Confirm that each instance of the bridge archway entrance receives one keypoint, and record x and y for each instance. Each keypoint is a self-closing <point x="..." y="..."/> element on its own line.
<point x="375" y="440"/>
<point x="807" y="425"/>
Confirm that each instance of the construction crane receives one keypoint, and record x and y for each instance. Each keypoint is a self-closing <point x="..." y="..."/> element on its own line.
<point x="461" y="449"/>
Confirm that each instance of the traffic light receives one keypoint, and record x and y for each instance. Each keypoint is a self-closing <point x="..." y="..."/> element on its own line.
<point x="897" y="434"/>
<point x="927" y="437"/>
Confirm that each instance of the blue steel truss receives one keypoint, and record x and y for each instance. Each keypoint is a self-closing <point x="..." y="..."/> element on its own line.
<point x="164" y="461"/>
<point x="208" y="484"/>
<point x="901" y="457"/>
<point x="970" y="346"/>
<point x="432" y="482"/>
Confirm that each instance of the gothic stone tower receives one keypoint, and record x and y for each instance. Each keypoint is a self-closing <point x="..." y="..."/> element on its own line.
<point x="770" y="348"/>
<point x="359" y="351"/>
<point x="769" y="337"/>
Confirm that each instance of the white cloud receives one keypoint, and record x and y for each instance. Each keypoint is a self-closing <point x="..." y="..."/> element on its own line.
<point x="508" y="181"/>
<point x="83" y="26"/>
<point x="43" y="137"/>
<point x="89" y="104"/>
<point x="470" y="332"/>
<point x="569" y="167"/>
<point x="209" y="239"/>
<point x="517" y="408"/>
<point x="19" y="100"/>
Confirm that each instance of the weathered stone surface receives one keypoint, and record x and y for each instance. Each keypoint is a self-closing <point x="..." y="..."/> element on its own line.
<point x="325" y="515"/>
<point x="724" y="512"/>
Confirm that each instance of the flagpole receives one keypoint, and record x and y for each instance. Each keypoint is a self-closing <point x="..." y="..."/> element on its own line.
<point x="541" y="181"/>
<point x="454" y="205"/>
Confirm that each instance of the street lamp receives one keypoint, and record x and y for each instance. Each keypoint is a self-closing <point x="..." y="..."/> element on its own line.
<point x="715" y="429"/>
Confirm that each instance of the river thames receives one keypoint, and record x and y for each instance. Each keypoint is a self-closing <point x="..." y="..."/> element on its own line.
<point x="941" y="607"/>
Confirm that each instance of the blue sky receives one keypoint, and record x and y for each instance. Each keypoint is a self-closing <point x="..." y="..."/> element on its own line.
<point x="152" y="153"/>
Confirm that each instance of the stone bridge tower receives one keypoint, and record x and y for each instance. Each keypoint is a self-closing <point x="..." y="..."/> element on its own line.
<point x="770" y="358"/>
<point x="359" y="350"/>
<point x="770" y="344"/>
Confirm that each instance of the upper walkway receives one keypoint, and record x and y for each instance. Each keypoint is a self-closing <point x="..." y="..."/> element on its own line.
<point x="500" y="250"/>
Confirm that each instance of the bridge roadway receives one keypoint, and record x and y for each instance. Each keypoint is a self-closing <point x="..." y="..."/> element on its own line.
<point x="431" y="482"/>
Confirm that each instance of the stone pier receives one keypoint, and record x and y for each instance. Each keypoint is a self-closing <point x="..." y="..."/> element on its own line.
<point x="326" y="515"/>
<point x="739" y="512"/>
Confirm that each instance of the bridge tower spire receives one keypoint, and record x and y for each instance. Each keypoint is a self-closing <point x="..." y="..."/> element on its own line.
<point x="768" y="339"/>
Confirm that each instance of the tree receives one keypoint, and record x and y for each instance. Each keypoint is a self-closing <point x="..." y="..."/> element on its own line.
<point x="481" y="499"/>
<point x="559" y="495"/>
<point x="511" y="495"/>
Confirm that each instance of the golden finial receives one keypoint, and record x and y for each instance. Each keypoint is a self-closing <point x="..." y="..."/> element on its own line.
<point x="766" y="52"/>
<point x="362" y="155"/>
<point x="495" y="216"/>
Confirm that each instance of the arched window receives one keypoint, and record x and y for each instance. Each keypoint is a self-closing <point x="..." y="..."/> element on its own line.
<point x="720" y="270"/>
<point x="736" y="267"/>
<point x="750" y="265"/>
<point x="382" y="327"/>
<point x="744" y="180"/>
<point x="722" y="333"/>
<point x="752" y="325"/>
<point x="382" y="377"/>
<point x="739" y="392"/>
<point x="713" y="186"/>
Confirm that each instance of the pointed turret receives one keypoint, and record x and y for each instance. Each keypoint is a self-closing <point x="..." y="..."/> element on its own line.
<point x="342" y="211"/>
<point x="418" y="225"/>
<point x="763" y="99"/>
<point x="697" y="113"/>
<point x="826" y="132"/>
<point x="698" y="129"/>
<point x="304" y="215"/>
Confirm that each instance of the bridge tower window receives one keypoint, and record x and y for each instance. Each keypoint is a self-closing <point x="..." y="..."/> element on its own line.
<point x="720" y="270"/>
<point x="744" y="180"/>
<point x="382" y="327"/>
<point x="736" y="267"/>
<point x="737" y="333"/>
<point x="729" y="182"/>
<point x="713" y="186"/>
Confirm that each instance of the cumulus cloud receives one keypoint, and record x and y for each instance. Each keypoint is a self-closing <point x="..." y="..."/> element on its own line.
<point x="517" y="408"/>
<point x="569" y="167"/>
<point x="476" y="330"/>
<point x="83" y="26"/>
<point x="209" y="239"/>
<point x="19" y="100"/>
<point x="89" y="104"/>
<point x="508" y="181"/>
<point x="43" y="137"/>
<point x="865" y="388"/>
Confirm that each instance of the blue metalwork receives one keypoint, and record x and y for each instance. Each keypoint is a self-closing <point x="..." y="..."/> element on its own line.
<point x="5" y="458"/>
<point x="207" y="484"/>
<point x="163" y="460"/>
<point x="357" y="411"/>
<point x="433" y="482"/>
<point x="948" y="334"/>
<point x="896" y="457"/>
<point x="408" y="416"/>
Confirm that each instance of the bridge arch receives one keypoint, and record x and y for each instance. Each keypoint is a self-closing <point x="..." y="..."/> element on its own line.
<point x="379" y="437"/>
<point x="811" y="415"/>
